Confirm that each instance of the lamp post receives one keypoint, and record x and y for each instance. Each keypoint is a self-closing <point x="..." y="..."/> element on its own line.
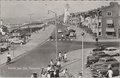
<point x="30" y="17"/>
<point x="82" y="51"/>
<point x="55" y="31"/>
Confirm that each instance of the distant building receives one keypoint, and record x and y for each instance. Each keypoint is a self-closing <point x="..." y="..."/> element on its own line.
<point x="74" y="20"/>
<point x="111" y="21"/>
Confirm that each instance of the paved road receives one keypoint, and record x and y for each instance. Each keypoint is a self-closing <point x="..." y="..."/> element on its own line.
<point x="39" y="57"/>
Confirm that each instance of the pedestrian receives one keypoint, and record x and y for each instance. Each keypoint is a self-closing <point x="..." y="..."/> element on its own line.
<point x="80" y="75"/>
<point x="51" y="62"/>
<point x="48" y="68"/>
<point x="65" y="73"/>
<point x="57" y="73"/>
<point x="96" y="40"/>
<point x="48" y="75"/>
<point x="60" y="56"/>
<point x="43" y="73"/>
<point x="110" y="73"/>
<point x="58" y="64"/>
<point x="34" y="75"/>
<point x="52" y="74"/>
<point x="62" y="36"/>
<point x="65" y="56"/>
<point x="8" y="58"/>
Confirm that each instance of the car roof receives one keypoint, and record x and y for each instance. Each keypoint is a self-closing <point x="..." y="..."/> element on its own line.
<point x="106" y="58"/>
<point x="111" y="48"/>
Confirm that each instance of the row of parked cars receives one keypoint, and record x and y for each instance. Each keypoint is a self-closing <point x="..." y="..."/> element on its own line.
<point x="69" y="34"/>
<point x="101" y="58"/>
<point x="7" y="45"/>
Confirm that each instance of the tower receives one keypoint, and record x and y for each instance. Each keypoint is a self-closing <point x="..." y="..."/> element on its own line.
<point x="66" y="14"/>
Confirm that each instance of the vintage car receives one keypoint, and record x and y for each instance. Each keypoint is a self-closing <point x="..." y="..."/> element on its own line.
<point x="16" y="41"/>
<point x="112" y="51"/>
<point x="104" y="60"/>
<point x="4" y="47"/>
<point x="100" y="70"/>
<point x="95" y="58"/>
<point x="99" y="48"/>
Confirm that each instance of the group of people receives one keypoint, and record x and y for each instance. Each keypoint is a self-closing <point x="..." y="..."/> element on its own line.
<point x="62" y="57"/>
<point x="54" y="69"/>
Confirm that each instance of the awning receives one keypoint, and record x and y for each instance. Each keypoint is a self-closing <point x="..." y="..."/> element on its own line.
<point x="110" y="30"/>
<point x="109" y="21"/>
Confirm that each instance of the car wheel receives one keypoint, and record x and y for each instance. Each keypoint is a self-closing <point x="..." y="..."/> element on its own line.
<point x="117" y="54"/>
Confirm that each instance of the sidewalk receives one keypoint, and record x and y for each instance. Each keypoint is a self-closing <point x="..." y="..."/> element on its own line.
<point x="74" y="64"/>
<point x="36" y="39"/>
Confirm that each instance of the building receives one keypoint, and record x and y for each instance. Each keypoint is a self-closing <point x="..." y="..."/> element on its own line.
<point x="111" y="20"/>
<point x="74" y="21"/>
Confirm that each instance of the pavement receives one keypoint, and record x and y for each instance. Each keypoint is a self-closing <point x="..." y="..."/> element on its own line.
<point x="74" y="65"/>
<point x="35" y="40"/>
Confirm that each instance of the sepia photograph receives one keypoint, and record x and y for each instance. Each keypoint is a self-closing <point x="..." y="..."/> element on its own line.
<point x="59" y="39"/>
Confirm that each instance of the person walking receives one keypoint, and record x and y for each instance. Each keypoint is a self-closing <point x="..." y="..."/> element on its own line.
<point x="34" y="75"/>
<point x="43" y="73"/>
<point x="80" y="75"/>
<point x="65" y="56"/>
<point x="62" y="36"/>
<point x="110" y="73"/>
<point x="48" y="68"/>
<point x="48" y="75"/>
<point x="65" y="73"/>
<point x="60" y="56"/>
<point x="58" y="64"/>
<point x="8" y="58"/>
<point x="51" y="62"/>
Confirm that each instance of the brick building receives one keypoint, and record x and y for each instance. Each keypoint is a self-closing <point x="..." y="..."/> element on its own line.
<point x="111" y="20"/>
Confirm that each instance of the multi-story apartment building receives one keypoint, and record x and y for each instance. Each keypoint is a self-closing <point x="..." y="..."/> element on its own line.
<point x="111" y="20"/>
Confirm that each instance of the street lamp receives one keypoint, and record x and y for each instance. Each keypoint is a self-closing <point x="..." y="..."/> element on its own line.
<point x="82" y="51"/>
<point x="55" y="30"/>
<point x="30" y="17"/>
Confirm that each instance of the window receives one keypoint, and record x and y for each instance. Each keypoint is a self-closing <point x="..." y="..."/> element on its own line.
<point x="109" y="13"/>
<point x="109" y="23"/>
<point x="100" y="33"/>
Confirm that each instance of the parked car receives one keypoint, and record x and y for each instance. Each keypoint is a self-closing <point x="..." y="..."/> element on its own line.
<point x="101" y="69"/>
<point x="17" y="41"/>
<point x="95" y="58"/>
<point x="72" y="34"/>
<point x="59" y="31"/>
<point x="4" y="46"/>
<point x="104" y="60"/>
<point x="112" y="51"/>
<point x="99" y="48"/>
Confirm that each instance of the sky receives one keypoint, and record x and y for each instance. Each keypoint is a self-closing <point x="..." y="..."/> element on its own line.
<point x="20" y="11"/>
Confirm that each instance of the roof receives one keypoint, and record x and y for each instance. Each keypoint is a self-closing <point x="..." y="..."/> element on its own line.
<point x="111" y="48"/>
<point x="106" y="58"/>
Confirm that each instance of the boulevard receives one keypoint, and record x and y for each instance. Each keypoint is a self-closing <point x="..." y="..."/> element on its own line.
<point x="40" y="56"/>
